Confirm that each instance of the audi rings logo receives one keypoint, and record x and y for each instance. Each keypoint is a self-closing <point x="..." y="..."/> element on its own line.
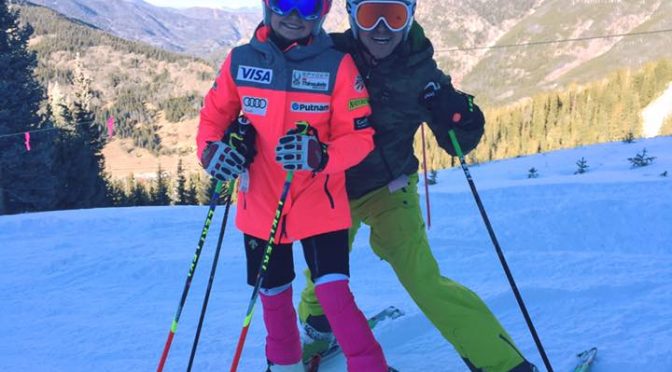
<point x="255" y="102"/>
<point x="255" y="105"/>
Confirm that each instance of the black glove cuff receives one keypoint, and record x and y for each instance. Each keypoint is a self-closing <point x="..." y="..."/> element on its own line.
<point x="473" y="121"/>
<point x="241" y="135"/>
<point x="208" y="153"/>
<point x="323" y="160"/>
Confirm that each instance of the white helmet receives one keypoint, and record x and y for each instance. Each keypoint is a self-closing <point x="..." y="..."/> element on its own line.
<point x="351" y="7"/>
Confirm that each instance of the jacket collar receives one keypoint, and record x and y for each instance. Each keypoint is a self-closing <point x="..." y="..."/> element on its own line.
<point x="413" y="51"/>
<point x="261" y="41"/>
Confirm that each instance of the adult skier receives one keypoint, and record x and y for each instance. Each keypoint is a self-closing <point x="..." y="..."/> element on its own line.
<point x="396" y="60"/>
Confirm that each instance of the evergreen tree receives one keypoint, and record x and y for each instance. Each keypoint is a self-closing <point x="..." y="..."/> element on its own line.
<point x="532" y="173"/>
<point x="205" y="189"/>
<point x="641" y="159"/>
<point x="583" y="166"/>
<point x="629" y="138"/>
<point x="27" y="181"/>
<point x="432" y="179"/>
<point x="180" y="185"/>
<point x="118" y="195"/>
<point x="160" y="194"/>
<point x="210" y="185"/>
<point x="84" y="183"/>
<point x="192" y="191"/>
<point x="58" y="106"/>
<point x="138" y="196"/>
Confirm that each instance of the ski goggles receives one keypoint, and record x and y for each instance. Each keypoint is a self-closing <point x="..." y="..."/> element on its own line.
<point x="396" y="15"/>
<point x="310" y="10"/>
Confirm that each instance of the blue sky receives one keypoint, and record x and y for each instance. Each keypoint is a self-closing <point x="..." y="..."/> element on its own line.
<point x="207" y="3"/>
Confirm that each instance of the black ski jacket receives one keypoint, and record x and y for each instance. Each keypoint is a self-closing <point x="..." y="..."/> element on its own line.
<point x="395" y="85"/>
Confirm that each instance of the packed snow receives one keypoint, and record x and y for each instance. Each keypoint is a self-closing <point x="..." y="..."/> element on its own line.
<point x="96" y="290"/>
<point x="655" y="114"/>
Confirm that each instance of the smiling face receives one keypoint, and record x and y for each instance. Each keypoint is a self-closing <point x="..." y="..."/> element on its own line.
<point x="291" y="27"/>
<point x="381" y="41"/>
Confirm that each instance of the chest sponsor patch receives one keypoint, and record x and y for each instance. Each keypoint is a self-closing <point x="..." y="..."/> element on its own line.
<point x="310" y="107"/>
<point x="362" y="123"/>
<point x="255" y="105"/>
<point x="310" y="80"/>
<point x="254" y="74"/>
<point x="354" y="104"/>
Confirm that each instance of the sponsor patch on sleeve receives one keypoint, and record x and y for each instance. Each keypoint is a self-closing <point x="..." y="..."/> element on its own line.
<point x="359" y="83"/>
<point x="354" y="104"/>
<point x="362" y="123"/>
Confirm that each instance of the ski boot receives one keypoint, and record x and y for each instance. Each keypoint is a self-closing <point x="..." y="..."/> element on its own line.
<point x="297" y="367"/>
<point x="316" y="337"/>
<point x="525" y="367"/>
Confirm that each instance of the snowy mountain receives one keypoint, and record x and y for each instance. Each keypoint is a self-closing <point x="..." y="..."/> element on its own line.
<point x="96" y="290"/>
<point x="462" y="33"/>
<point x="194" y="31"/>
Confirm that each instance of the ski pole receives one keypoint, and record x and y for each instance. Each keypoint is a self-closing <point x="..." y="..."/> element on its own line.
<point x="192" y="269"/>
<point x="302" y="127"/>
<point x="262" y="271"/>
<point x="424" y="166"/>
<point x="237" y="141"/>
<point x="491" y="232"/>
<point x="204" y="307"/>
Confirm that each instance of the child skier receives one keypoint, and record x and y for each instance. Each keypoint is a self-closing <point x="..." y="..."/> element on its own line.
<point x="290" y="73"/>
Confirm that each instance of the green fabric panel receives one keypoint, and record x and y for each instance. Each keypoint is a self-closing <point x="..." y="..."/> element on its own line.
<point x="398" y="236"/>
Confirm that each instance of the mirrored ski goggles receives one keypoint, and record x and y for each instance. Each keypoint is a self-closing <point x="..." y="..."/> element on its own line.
<point x="310" y="10"/>
<point x="394" y="14"/>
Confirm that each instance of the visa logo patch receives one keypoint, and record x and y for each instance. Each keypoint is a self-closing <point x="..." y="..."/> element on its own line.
<point x="254" y="74"/>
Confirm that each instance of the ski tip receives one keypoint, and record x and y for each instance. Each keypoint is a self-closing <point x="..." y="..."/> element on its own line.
<point x="586" y="359"/>
<point x="587" y="353"/>
<point x="394" y="312"/>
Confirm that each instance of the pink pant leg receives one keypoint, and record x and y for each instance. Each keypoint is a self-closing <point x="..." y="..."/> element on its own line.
<point x="350" y="327"/>
<point x="283" y="344"/>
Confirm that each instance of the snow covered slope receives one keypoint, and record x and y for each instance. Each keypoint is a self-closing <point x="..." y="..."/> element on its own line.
<point x="96" y="290"/>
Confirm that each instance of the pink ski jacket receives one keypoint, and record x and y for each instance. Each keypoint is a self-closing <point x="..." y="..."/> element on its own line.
<point x="275" y="89"/>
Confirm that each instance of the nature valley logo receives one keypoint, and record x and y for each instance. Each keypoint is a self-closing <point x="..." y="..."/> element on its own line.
<point x="354" y="104"/>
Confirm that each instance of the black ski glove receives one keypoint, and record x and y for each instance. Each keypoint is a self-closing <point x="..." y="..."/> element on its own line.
<point x="241" y="135"/>
<point x="301" y="149"/>
<point x="452" y="107"/>
<point x="228" y="158"/>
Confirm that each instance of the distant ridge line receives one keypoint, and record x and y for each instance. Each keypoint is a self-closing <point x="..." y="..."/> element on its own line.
<point x="544" y="42"/>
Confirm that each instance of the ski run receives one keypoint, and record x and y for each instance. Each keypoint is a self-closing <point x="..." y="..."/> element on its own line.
<point x="95" y="290"/>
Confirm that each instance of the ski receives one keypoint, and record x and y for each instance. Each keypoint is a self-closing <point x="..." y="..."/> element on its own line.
<point x="586" y="360"/>
<point x="313" y="364"/>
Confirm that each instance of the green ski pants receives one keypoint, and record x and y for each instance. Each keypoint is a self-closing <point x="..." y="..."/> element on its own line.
<point x="398" y="236"/>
